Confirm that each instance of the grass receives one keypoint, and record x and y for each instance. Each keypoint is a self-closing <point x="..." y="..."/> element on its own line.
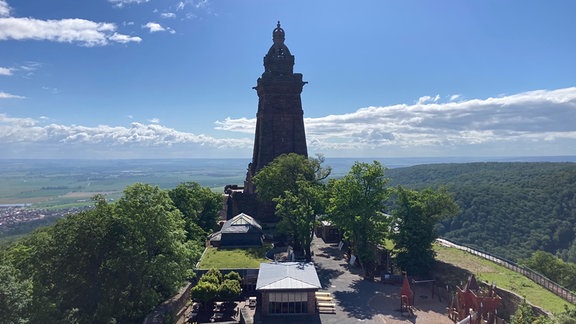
<point x="226" y="258"/>
<point x="490" y="272"/>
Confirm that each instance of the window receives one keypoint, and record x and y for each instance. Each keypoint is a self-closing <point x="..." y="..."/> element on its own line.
<point x="288" y="303"/>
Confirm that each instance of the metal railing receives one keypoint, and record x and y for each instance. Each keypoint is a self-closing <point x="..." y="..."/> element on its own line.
<point x="553" y="287"/>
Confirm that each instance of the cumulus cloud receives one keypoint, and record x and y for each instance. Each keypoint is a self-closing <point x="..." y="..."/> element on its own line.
<point x="5" y="71"/>
<point x="541" y="122"/>
<point x="84" y="32"/>
<point x="123" y="39"/>
<point x="16" y="132"/>
<point x="535" y="119"/>
<point x="5" y="95"/>
<point x="4" y="9"/>
<point x="72" y="30"/>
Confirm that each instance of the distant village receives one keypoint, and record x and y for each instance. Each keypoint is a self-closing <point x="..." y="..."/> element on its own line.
<point x="12" y="215"/>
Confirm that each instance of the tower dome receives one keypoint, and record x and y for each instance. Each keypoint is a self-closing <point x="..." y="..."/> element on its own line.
<point x="279" y="60"/>
<point x="278" y="34"/>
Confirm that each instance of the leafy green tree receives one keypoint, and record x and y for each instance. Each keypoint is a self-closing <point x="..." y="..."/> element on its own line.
<point x="199" y="206"/>
<point x="33" y="259"/>
<point x="552" y="267"/>
<point x="523" y="314"/>
<point x="298" y="211"/>
<point x="113" y="263"/>
<point x="15" y="296"/>
<point x="233" y="275"/>
<point x="294" y="183"/>
<point x="229" y="290"/>
<point x="567" y="317"/>
<point x="415" y="215"/>
<point x="204" y="291"/>
<point x="356" y="204"/>
<point x="152" y="258"/>
<point x="213" y="275"/>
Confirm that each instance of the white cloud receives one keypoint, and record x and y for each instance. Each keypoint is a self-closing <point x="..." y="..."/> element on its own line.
<point x="154" y="27"/>
<point x="5" y="95"/>
<point x="455" y="97"/>
<point x="27" y="132"/>
<point x="168" y="15"/>
<point x="201" y="3"/>
<point x="539" y="122"/>
<point x="5" y="71"/>
<point x="123" y="39"/>
<point x="122" y="3"/>
<point x="4" y="9"/>
<point x="526" y="121"/>
<point x="84" y="32"/>
<point x="425" y="99"/>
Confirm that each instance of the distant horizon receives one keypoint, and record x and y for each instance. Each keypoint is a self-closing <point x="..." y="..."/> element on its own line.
<point x="125" y="79"/>
<point x="570" y="156"/>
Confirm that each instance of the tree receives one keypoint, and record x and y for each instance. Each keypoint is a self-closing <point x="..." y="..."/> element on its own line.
<point x="212" y="284"/>
<point x="294" y="183"/>
<point x="199" y="206"/>
<point x="15" y="296"/>
<point x="552" y="267"/>
<point x="356" y="204"/>
<point x="204" y="291"/>
<point x="151" y="259"/>
<point x="229" y="290"/>
<point x="523" y="314"/>
<point x="233" y="275"/>
<point x="415" y="215"/>
<point x="112" y="263"/>
<point x="567" y="317"/>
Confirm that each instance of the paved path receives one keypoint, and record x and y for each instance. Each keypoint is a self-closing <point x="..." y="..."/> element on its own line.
<point x="361" y="301"/>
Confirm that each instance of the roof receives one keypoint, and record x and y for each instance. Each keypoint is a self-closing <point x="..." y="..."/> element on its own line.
<point x="241" y="223"/>
<point x="287" y="276"/>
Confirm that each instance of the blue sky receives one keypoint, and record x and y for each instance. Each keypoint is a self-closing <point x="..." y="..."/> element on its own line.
<point x="159" y="78"/>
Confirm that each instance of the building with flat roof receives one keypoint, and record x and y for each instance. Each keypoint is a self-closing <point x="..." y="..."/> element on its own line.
<point x="287" y="288"/>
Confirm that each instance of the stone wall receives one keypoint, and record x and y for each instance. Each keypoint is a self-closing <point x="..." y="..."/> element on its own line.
<point x="510" y="302"/>
<point x="169" y="309"/>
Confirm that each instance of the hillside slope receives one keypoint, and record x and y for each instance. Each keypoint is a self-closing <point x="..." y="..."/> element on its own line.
<point x="509" y="209"/>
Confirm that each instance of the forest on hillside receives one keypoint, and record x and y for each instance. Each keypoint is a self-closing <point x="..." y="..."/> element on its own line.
<point x="507" y="209"/>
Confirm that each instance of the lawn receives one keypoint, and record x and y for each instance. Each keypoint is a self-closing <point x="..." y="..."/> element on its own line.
<point x="225" y="258"/>
<point x="488" y="271"/>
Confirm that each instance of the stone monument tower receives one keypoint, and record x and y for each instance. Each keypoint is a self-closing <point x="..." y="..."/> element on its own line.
<point x="280" y="118"/>
<point x="279" y="126"/>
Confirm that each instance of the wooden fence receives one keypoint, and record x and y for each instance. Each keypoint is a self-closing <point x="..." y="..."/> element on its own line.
<point x="533" y="275"/>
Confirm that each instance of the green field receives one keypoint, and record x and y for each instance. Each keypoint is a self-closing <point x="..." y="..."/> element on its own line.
<point x="72" y="183"/>
<point x="487" y="271"/>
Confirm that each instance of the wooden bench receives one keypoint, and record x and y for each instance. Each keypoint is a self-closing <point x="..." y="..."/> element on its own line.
<point x="323" y="294"/>
<point x="326" y="304"/>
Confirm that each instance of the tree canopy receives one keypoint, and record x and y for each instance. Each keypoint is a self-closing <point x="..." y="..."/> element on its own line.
<point x="356" y="205"/>
<point x="199" y="207"/>
<point x="294" y="183"/>
<point x="415" y="215"/>
<point x="509" y="209"/>
<point x="111" y="263"/>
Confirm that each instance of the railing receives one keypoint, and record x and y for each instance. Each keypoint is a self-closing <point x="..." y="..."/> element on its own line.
<point x="555" y="288"/>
